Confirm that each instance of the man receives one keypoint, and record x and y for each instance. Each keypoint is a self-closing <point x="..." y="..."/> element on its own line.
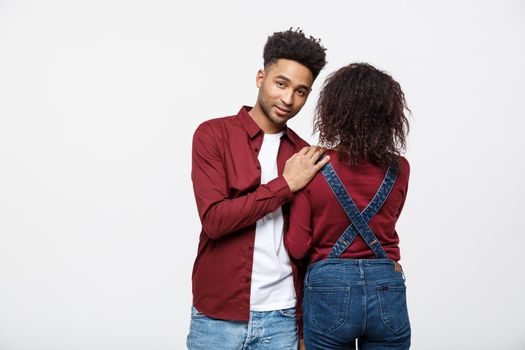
<point x="244" y="169"/>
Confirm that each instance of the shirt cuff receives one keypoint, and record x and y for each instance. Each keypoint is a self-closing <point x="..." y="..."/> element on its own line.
<point x="279" y="187"/>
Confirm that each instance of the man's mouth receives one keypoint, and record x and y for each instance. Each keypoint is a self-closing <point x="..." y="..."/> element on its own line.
<point x="282" y="111"/>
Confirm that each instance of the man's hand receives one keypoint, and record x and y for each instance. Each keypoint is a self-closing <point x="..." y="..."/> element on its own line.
<point x="302" y="167"/>
<point x="301" y="344"/>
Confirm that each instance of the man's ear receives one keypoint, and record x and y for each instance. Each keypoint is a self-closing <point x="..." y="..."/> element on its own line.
<point x="259" y="78"/>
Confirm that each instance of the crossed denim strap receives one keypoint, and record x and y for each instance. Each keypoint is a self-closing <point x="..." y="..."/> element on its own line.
<point x="359" y="220"/>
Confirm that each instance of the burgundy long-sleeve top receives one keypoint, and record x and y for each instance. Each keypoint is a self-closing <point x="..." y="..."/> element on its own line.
<point x="317" y="219"/>
<point x="230" y="199"/>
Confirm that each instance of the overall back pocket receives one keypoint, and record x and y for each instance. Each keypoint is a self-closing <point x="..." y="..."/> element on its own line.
<point x="393" y="303"/>
<point x="328" y="306"/>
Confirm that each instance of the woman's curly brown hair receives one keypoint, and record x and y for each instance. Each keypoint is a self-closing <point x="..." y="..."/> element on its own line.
<point x="360" y="113"/>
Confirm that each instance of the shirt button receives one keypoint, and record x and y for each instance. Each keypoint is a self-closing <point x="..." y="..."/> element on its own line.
<point x="247" y="279"/>
<point x="258" y="167"/>
<point x="256" y="150"/>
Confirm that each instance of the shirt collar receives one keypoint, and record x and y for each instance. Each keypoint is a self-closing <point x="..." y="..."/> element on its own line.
<point x="253" y="129"/>
<point x="247" y="122"/>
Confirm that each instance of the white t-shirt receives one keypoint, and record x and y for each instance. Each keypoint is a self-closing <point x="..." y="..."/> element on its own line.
<point x="272" y="285"/>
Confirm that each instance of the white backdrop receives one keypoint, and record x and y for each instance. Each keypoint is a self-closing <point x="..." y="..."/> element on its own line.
<point x="98" y="104"/>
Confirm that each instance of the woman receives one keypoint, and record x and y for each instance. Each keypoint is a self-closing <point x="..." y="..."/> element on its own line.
<point x="344" y="221"/>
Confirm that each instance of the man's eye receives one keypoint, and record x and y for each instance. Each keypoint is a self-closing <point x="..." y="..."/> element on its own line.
<point x="301" y="93"/>
<point x="280" y="84"/>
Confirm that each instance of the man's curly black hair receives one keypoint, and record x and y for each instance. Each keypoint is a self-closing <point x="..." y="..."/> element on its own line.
<point x="294" y="45"/>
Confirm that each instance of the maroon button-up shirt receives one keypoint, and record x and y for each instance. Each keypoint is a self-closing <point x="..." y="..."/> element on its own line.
<point x="226" y="177"/>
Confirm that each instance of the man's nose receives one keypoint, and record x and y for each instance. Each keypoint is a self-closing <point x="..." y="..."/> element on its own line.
<point x="287" y="97"/>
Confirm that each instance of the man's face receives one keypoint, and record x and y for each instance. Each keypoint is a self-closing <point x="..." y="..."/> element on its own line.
<point x="283" y="89"/>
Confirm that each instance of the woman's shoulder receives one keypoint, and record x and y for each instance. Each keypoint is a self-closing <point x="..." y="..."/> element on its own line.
<point x="404" y="164"/>
<point x="404" y="170"/>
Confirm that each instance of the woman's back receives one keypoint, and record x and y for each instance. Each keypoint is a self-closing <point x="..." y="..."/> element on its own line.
<point x="318" y="219"/>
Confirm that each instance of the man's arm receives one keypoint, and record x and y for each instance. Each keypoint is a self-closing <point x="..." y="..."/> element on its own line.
<point x="221" y="215"/>
<point x="298" y="239"/>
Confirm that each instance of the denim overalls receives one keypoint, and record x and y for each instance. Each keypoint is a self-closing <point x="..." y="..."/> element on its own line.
<point x="349" y="299"/>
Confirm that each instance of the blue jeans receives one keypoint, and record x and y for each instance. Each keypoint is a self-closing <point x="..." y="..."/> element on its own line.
<point x="346" y="299"/>
<point x="270" y="330"/>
